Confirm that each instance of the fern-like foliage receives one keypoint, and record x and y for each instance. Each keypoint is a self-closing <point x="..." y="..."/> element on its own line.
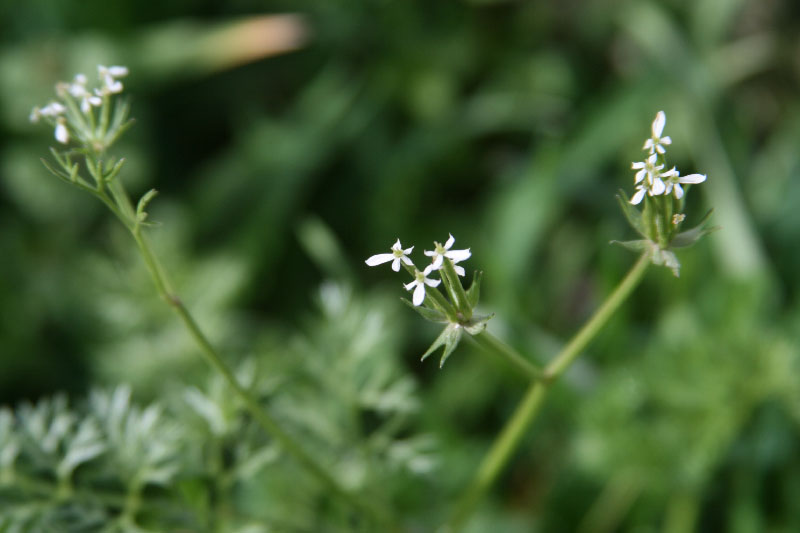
<point x="196" y="461"/>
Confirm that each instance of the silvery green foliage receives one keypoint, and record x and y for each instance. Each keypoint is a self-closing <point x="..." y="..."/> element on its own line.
<point x="196" y="460"/>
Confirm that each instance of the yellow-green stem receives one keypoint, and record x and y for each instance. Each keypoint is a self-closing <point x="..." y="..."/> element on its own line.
<point x="267" y="422"/>
<point x="492" y="345"/>
<point x="510" y="436"/>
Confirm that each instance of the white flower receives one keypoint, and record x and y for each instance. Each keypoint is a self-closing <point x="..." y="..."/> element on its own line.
<point x="78" y="89"/>
<point x="420" y="282"/>
<point x="440" y="252"/>
<point x="62" y="134"/>
<point x="656" y="142"/>
<point x="108" y="75"/>
<point x="53" y="109"/>
<point x="649" y="178"/>
<point x="397" y="255"/>
<point x="674" y="183"/>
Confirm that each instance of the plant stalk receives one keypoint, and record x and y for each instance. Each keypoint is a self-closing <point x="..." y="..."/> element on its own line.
<point x="509" y="438"/>
<point x="267" y="422"/>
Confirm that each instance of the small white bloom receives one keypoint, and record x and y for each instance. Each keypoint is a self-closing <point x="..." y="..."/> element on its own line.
<point x="62" y="134"/>
<point x="649" y="178"/>
<point x="674" y="183"/>
<point x="78" y="89"/>
<point x="398" y="254"/>
<point x="421" y="279"/>
<point x="440" y="252"/>
<point x="656" y="142"/>
<point x="108" y="75"/>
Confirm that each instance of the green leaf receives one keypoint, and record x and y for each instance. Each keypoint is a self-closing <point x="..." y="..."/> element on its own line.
<point x="474" y="291"/>
<point x="636" y="246"/>
<point x="631" y="213"/>
<point x="434" y="315"/>
<point x="691" y="236"/>
<point x="449" y="338"/>
<point x="141" y="214"/>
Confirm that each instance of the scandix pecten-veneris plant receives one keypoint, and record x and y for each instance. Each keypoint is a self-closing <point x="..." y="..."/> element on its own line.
<point x="87" y="121"/>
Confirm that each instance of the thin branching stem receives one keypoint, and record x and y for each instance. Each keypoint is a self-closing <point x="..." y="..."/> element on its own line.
<point x="507" y="441"/>
<point x="262" y="416"/>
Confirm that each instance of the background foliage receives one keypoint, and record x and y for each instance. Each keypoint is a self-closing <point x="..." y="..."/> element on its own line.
<point x="509" y="124"/>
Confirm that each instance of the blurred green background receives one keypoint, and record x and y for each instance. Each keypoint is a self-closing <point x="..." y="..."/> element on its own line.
<point x="288" y="149"/>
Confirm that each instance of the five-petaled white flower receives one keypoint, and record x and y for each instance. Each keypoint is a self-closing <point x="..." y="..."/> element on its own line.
<point x="397" y="255"/>
<point x="109" y="76"/>
<point x="440" y="252"/>
<point x="674" y="183"/>
<point x="656" y="142"/>
<point x="420" y="280"/>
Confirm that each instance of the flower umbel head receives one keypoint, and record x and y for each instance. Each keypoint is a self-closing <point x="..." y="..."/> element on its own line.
<point x="454" y="306"/>
<point x="84" y="114"/>
<point x="663" y="196"/>
<point x="398" y="254"/>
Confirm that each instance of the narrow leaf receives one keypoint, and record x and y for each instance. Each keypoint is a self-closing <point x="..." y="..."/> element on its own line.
<point x="474" y="291"/>
<point x="434" y="315"/>
<point x="631" y="213"/>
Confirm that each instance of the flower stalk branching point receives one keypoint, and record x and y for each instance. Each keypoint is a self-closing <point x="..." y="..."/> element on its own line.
<point x="662" y="194"/>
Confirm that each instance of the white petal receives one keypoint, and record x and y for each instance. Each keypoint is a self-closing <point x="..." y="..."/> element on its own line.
<point x="640" y="176"/>
<point x="648" y="145"/>
<point x="430" y="268"/>
<point x="458" y="255"/>
<point x="411" y="285"/>
<point x="658" y="124"/>
<point x="637" y="198"/>
<point x="678" y="191"/>
<point x="379" y="259"/>
<point x="693" y="178"/>
<point x="666" y="140"/>
<point x="638" y="164"/>
<point x="397" y="245"/>
<point x="658" y="187"/>
<point x="450" y="242"/>
<point x="437" y="263"/>
<point x="118" y="71"/>
<point x="432" y="282"/>
<point x="85" y="105"/>
<point x="430" y="253"/>
<point x="396" y="264"/>
<point x="407" y="261"/>
<point x="459" y="270"/>
<point x="62" y="135"/>
<point x="419" y="294"/>
<point x="660" y="149"/>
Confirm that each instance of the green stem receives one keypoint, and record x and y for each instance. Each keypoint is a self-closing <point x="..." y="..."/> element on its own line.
<point x="492" y="345"/>
<point x="270" y="424"/>
<point x="505" y="444"/>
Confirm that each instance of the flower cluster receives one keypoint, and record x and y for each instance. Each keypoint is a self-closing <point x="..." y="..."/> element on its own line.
<point x="73" y="115"/>
<point x="455" y="308"/>
<point x="663" y="196"/>
<point x="421" y="279"/>
<point x="651" y="178"/>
